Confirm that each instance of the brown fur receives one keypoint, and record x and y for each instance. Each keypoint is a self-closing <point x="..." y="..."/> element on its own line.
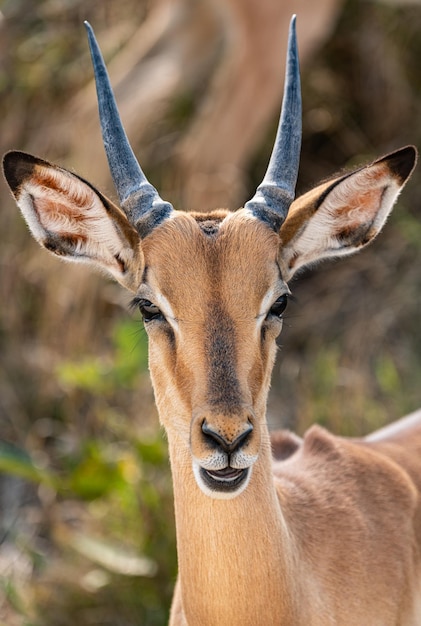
<point x="329" y="534"/>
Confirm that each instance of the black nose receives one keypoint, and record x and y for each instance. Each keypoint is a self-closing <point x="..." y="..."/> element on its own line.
<point x="216" y="440"/>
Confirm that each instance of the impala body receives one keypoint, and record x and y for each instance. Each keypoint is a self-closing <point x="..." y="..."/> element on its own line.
<point x="271" y="530"/>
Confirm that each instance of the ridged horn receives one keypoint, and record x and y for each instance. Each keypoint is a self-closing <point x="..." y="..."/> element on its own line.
<point x="275" y="194"/>
<point x="138" y="198"/>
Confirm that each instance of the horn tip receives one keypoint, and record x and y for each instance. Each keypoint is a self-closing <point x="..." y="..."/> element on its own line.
<point x="293" y="27"/>
<point x="90" y="31"/>
<point x="91" y="36"/>
<point x="96" y="56"/>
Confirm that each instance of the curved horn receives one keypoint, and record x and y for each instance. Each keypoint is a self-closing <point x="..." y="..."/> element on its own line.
<point x="139" y="199"/>
<point x="277" y="190"/>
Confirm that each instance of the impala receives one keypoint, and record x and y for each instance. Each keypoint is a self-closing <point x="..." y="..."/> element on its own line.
<point x="271" y="530"/>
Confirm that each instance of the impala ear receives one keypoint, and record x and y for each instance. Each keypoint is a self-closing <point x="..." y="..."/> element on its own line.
<point x="343" y="215"/>
<point x="72" y="219"/>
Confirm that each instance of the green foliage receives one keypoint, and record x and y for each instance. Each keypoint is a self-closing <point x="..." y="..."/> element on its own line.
<point x="18" y="462"/>
<point x="11" y="592"/>
<point x="335" y="393"/>
<point x="94" y="475"/>
<point x="101" y="376"/>
<point x="388" y="376"/>
<point x="122" y="556"/>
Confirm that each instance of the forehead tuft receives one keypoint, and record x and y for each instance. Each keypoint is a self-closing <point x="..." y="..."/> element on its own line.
<point x="209" y="223"/>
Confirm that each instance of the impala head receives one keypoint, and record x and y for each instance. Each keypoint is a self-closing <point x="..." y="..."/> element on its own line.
<point x="212" y="288"/>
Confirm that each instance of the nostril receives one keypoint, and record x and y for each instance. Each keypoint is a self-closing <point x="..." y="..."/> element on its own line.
<point x="241" y="440"/>
<point x="216" y="440"/>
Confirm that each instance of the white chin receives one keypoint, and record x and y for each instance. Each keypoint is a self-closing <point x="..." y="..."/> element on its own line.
<point x="221" y="489"/>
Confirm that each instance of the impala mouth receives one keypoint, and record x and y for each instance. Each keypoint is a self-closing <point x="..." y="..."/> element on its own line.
<point x="225" y="480"/>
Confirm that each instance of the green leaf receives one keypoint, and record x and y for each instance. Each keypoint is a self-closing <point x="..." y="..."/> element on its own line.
<point x="18" y="462"/>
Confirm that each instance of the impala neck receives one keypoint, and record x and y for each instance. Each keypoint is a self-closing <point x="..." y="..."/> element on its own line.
<point x="232" y="553"/>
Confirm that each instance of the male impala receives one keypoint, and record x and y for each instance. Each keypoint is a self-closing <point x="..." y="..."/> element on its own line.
<point x="330" y="532"/>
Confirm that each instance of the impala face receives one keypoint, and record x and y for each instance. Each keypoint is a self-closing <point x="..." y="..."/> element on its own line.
<point x="211" y="287"/>
<point x="212" y="319"/>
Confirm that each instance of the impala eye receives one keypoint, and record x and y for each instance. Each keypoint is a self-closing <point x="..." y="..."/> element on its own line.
<point x="278" y="307"/>
<point x="148" y="310"/>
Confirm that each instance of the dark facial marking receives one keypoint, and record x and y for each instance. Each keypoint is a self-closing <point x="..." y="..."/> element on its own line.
<point x="209" y="227"/>
<point x="223" y="385"/>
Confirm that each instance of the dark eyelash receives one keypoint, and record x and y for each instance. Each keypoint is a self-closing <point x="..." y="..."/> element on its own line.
<point x="134" y="303"/>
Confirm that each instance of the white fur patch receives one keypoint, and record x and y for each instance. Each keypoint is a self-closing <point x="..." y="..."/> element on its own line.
<point x="364" y="198"/>
<point x="71" y="209"/>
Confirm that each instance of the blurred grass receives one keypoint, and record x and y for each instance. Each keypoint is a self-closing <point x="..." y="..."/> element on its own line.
<point x="83" y="465"/>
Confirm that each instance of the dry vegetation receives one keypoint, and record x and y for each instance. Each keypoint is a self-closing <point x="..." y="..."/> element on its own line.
<point x="86" y="528"/>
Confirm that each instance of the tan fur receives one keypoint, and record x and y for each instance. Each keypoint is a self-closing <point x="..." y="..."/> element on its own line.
<point x="330" y="533"/>
<point x="338" y="549"/>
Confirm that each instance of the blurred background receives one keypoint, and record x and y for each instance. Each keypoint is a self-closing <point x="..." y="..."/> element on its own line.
<point x="86" y="516"/>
